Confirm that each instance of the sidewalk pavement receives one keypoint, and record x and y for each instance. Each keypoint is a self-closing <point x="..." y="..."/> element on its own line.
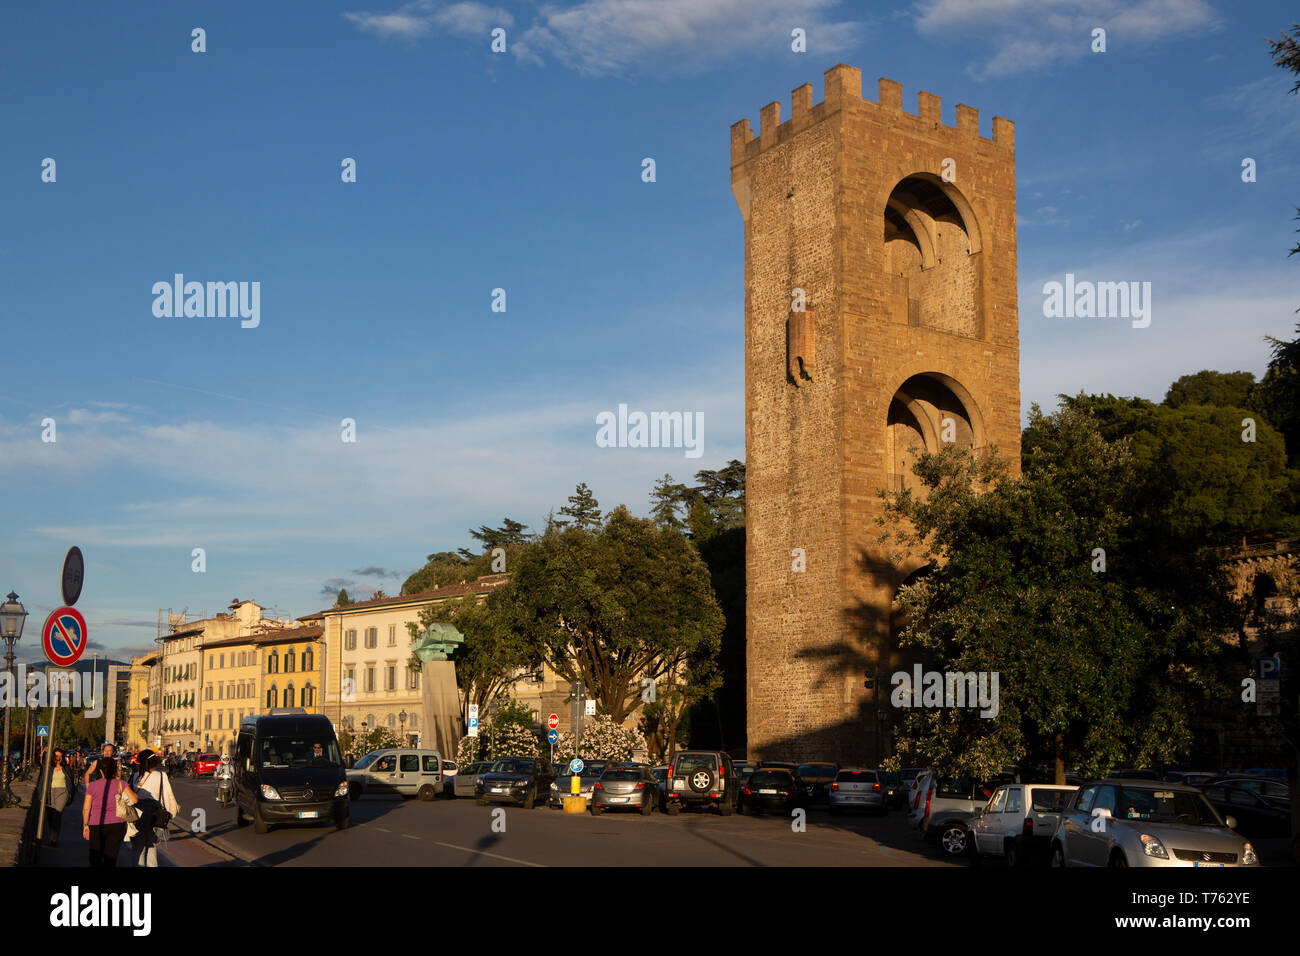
<point x="12" y="821"/>
<point x="182" y="849"/>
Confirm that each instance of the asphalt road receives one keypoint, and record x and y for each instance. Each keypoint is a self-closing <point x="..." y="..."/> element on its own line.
<point x="388" y="831"/>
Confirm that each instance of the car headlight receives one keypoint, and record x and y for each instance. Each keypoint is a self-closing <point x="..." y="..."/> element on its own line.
<point x="341" y="790"/>
<point x="269" y="792"/>
<point x="1248" y="857"/>
<point x="1152" y="846"/>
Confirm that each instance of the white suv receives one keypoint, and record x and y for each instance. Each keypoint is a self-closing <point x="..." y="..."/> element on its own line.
<point x="1018" y="822"/>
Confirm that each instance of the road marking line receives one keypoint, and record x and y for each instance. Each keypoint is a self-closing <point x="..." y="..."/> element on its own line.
<point x="409" y="837"/>
<point x="382" y="830"/>
<point x="495" y="856"/>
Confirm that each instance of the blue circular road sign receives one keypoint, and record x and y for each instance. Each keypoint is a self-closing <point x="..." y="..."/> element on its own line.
<point x="576" y="765"/>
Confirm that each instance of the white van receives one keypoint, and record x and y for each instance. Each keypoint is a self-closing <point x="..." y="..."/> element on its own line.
<point x="408" y="773"/>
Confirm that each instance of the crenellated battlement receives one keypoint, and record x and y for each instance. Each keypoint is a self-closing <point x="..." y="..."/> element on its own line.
<point x="843" y="89"/>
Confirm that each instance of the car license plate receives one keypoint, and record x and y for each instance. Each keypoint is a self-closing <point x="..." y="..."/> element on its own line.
<point x="1199" y="863"/>
<point x="851" y="796"/>
<point x="307" y="815"/>
<point x="500" y="789"/>
<point x="618" y="799"/>
<point x="766" y="791"/>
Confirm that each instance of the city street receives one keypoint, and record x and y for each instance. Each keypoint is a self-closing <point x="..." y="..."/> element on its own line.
<point x="391" y="832"/>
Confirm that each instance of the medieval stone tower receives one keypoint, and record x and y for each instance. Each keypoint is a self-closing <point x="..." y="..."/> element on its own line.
<point x="880" y="320"/>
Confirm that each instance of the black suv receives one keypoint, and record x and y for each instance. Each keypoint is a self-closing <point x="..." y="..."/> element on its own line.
<point x="702" y="778"/>
<point x="515" y="780"/>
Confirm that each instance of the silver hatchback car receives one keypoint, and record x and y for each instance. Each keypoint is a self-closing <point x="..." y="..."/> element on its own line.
<point x="1146" y="823"/>
<point x="855" y="788"/>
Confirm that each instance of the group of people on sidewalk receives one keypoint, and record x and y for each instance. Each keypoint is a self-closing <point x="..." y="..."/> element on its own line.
<point x="114" y="809"/>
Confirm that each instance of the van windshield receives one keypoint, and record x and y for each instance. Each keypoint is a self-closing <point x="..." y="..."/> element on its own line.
<point x="301" y="750"/>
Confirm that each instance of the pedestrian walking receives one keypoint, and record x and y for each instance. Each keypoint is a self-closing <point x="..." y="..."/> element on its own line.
<point x="157" y="805"/>
<point x="108" y="751"/>
<point x="59" y="788"/>
<point x="105" y="812"/>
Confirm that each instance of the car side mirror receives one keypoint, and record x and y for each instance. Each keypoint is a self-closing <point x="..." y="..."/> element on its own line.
<point x="1231" y="822"/>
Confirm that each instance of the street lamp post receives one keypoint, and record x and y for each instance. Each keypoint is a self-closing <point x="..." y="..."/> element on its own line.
<point x="401" y="723"/>
<point x="12" y="616"/>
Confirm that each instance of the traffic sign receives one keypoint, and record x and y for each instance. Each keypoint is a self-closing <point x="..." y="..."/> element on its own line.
<point x="42" y="731"/>
<point x="64" y="636"/>
<point x="576" y="765"/>
<point x="553" y="736"/>
<point x="553" y="721"/>
<point x="473" y="720"/>
<point x="74" y="572"/>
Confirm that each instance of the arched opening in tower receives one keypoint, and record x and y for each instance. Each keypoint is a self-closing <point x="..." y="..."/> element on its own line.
<point x="932" y="249"/>
<point x="927" y="413"/>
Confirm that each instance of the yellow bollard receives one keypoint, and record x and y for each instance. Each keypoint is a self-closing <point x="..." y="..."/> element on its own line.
<point x="575" y="804"/>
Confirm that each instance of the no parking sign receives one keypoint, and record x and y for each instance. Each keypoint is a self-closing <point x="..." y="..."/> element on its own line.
<point x="64" y="636"/>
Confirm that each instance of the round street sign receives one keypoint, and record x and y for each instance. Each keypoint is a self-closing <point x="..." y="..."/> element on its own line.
<point x="552" y="737"/>
<point x="64" y="636"/>
<point x="553" y="721"/>
<point x="74" y="572"/>
<point x="576" y="765"/>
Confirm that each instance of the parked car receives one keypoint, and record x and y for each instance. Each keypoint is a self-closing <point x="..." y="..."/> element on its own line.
<point x="203" y="763"/>
<point x="857" y="789"/>
<point x="462" y="785"/>
<point x="1266" y="787"/>
<point x="404" y="772"/>
<point x="1018" y="822"/>
<point x="772" y="789"/>
<point x="950" y="804"/>
<point x="661" y="782"/>
<point x="1193" y="778"/>
<point x="916" y="800"/>
<point x="1128" y="822"/>
<point x="817" y="778"/>
<point x="702" y="778"/>
<point x="777" y="765"/>
<point x="515" y="779"/>
<point x="625" y="788"/>
<point x="1257" y="816"/>
<point x="1273" y="772"/>
<point x="891" y="781"/>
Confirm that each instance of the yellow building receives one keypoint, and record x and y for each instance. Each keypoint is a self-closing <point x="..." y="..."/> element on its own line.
<point x="250" y="674"/>
<point x="138" y="700"/>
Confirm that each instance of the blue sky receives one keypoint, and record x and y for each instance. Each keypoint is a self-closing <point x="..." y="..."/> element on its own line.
<point x="522" y="171"/>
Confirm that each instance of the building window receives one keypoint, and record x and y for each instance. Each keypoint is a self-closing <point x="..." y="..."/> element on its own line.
<point x="209" y="662"/>
<point x="221" y="692"/>
<point x="390" y="677"/>
<point x="308" y="695"/>
<point x="220" y="724"/>
<point x="207" y="722"/>
<point x="350" y="640"/>
<point x="272" y="662"/>
<point x="221" y="661"/>
<point x="272" y="696"/>
<point x="289" y="661"/>
<point x="392" y="722"/>
<point x="370" y="680"/>
<point x="370" y="722"/>
<point x="412" y="679"/>
<point x="413" y="721"/>
<point x="392" y="635"/>
<point x="288" y="696"/>
<point x="307" y="659"/>
<point x="372" y="637"/>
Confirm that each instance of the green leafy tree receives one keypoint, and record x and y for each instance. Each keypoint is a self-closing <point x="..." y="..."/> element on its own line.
<point x="1224" y="389"/>
<point x="1095" y="667"/>
<point x="342" y="600"/>
<point x="1278" y="393"/>
<point x="617" y="605"/>
<point x="582" y="511"/>
<point x="665" y="501"/>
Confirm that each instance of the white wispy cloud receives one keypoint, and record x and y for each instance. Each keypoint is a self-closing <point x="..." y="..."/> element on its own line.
<point x="609" y="37"/>
<point x="1027" y="35"/>
<point x="421" y="18"/>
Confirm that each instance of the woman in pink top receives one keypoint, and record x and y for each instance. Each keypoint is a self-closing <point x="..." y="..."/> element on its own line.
<point x="100" y="825"/>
